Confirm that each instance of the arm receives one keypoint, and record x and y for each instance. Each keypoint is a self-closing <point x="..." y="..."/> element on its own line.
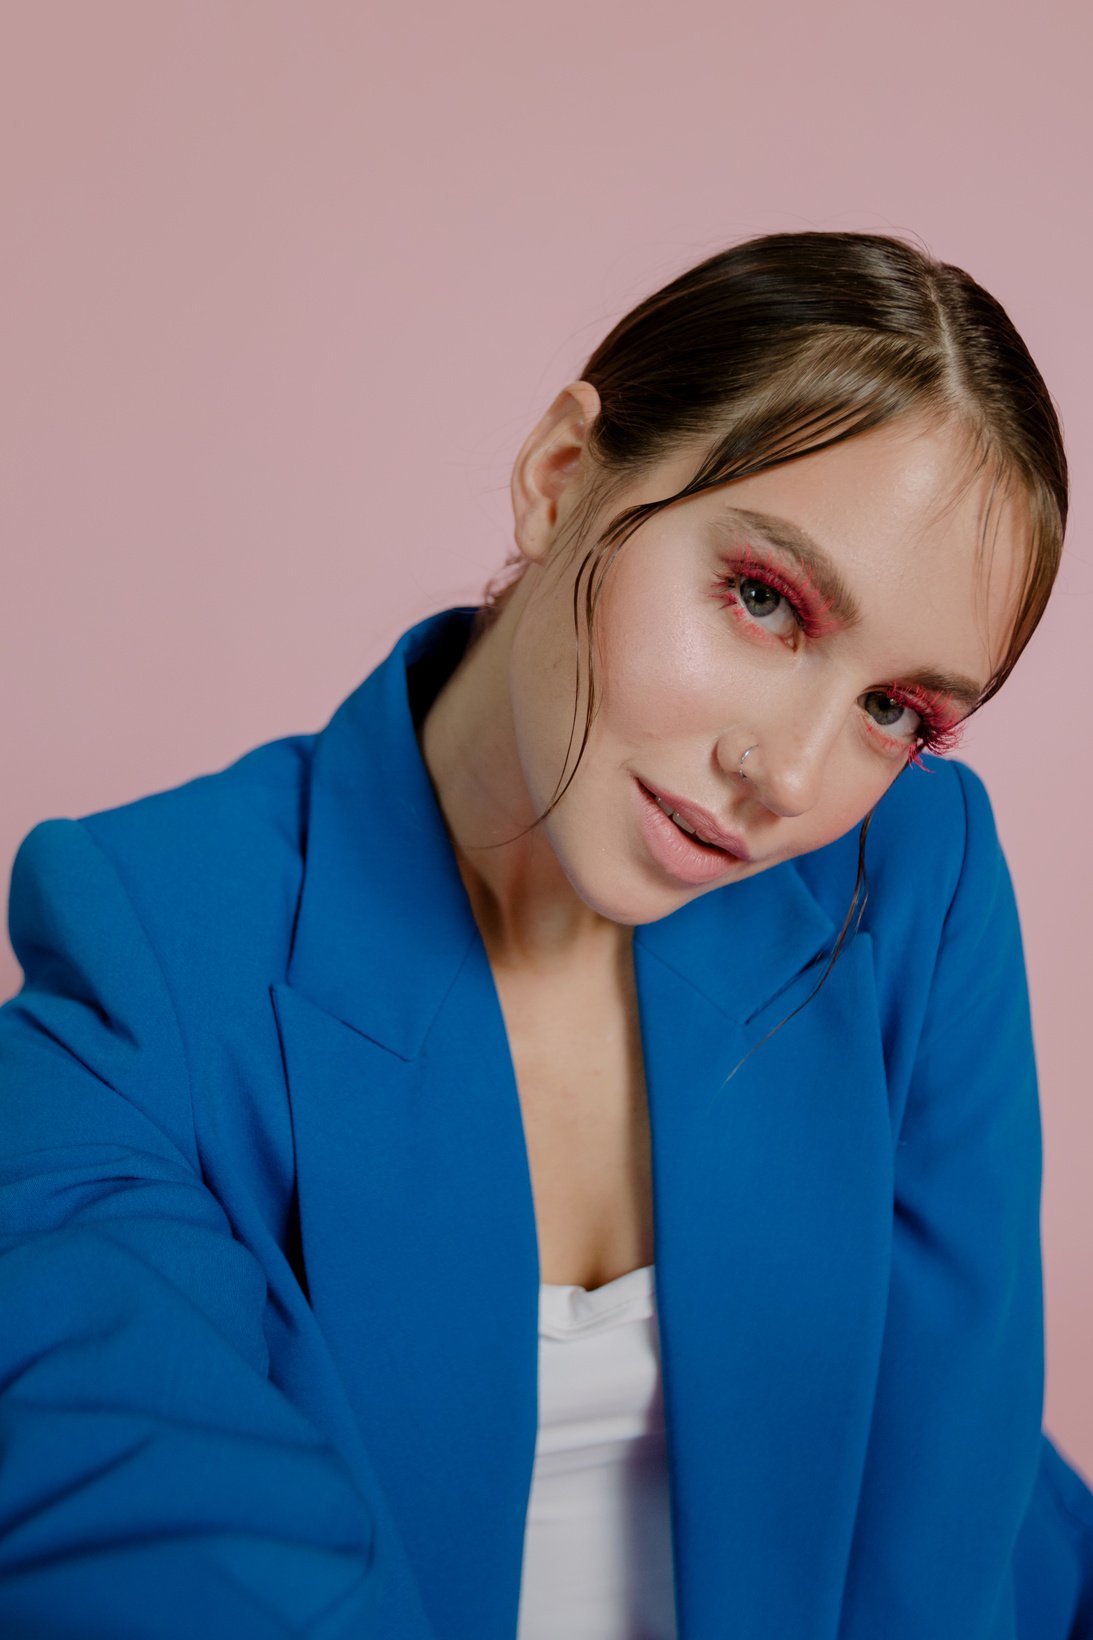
<point x="955" y="1437"/>
<point x="153" y="1481"/>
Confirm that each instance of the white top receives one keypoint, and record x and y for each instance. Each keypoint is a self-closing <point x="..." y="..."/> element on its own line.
<point x="598" y="1545"/>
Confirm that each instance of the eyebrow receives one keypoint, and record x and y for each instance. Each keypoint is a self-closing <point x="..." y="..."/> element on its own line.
<point x="790" y="538"/>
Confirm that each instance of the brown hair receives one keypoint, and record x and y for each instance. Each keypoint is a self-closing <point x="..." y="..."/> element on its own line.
<point x="789" y="343"/>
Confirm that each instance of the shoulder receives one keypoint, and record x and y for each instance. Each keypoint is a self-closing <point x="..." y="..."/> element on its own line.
<point x="257" y="790"/>
<point x="206" y="869"/>
<point x="932" y="847"/>
<point x="940" y="921"/>
<point x="944" y="797"/>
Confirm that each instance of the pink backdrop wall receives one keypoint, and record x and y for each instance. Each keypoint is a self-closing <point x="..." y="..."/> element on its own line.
<point x="286" y="285"/>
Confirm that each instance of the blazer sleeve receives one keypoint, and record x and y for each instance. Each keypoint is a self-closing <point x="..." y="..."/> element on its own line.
<point x="956" y="1430"/>
<point x="154" y="1483"/>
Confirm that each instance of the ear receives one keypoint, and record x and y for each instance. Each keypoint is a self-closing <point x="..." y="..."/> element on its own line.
<point x="550" y="467"/>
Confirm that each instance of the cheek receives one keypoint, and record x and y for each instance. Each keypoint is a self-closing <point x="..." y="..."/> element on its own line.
<point x="654" y="701"/>
<point x="668" y="677"/>
<point x="850" y="792"/>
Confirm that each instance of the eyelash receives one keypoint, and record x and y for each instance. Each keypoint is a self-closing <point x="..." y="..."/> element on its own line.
<point x="814" y="619"/>
<point x="936" y="734"/>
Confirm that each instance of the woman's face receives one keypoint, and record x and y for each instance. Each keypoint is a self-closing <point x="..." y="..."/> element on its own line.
<point x="712" y="636"/>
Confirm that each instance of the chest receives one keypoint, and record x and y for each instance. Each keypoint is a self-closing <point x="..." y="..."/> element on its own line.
<point x="575" y="1043"/>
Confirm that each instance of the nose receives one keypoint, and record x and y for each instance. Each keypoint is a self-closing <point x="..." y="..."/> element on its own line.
<point x="784" y="768"/>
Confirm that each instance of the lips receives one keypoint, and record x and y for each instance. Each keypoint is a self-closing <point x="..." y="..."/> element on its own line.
<point x="678" y="820"/>
<point x="698" y="820"/>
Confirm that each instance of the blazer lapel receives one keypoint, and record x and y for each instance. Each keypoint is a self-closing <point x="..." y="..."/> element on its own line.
<point x="773" y="1208"/>
<point x="772" y="1197"/>
<point x="417" y="1218"/>
<point x="419" y="1245"/>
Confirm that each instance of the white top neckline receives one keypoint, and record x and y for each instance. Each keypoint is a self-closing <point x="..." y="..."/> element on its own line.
<point x="565" y="1286"/>
<point x="567" y="1310"/>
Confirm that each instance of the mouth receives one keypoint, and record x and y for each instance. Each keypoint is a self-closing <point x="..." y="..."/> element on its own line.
<point x="685" y="854"/>
<point x="697" y="823"/>
<point x="678" y="820"/>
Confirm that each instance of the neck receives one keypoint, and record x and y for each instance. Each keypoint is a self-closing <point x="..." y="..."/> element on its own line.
<point x="525" y="906"/>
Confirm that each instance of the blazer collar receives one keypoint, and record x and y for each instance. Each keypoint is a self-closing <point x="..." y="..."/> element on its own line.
<point x="384" y="920"/>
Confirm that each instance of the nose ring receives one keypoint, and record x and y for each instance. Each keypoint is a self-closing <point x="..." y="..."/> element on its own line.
<point x="743" y="755"/>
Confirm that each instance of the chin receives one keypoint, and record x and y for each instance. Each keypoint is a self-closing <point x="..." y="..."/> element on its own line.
<point x="627" y="903"/>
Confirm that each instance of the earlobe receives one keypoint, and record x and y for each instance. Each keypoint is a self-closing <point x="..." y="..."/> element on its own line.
<point x="549" y="465"/>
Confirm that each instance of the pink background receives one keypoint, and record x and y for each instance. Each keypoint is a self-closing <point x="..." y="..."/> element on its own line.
<point x="286" y="285"/>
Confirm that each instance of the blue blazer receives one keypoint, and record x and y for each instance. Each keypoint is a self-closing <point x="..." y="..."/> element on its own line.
<point x="269" y="1284"/>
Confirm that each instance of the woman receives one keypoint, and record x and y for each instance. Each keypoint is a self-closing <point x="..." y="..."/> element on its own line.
<point x="356" y="1093"/>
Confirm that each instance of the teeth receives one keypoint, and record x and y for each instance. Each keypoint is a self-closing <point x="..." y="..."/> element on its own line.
<point x="679" y="820"/>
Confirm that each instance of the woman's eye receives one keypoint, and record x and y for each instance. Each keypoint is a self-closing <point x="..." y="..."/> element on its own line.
<point x="888" y="713"/>
<point x="767" y="605"/>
